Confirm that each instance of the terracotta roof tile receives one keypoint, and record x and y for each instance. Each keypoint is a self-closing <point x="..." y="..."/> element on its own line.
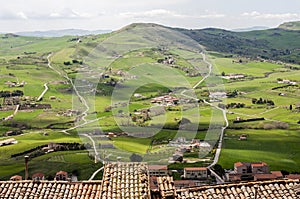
<point x="267" y="189"/>
<point x="49" y="189"/>
<point x="125" y="180"/>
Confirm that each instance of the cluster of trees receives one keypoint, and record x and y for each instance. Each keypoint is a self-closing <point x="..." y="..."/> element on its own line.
<point x="11" y="93"/>
<point x="74" y="61"/>
<point x="232" y="94"/>
<point x="232" y="105"/>
<point x="136" y="158"/>
<point x="262" y="101"/>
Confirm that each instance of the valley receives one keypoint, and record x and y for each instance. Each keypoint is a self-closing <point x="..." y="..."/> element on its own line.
<point x="152" y="93"/>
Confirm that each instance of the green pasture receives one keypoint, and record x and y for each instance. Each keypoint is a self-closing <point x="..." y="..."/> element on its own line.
<point x="278" y="148"/>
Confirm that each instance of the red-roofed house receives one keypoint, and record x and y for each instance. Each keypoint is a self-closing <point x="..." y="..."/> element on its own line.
<point x="260" y="167"/>
<point x="38" y="176"/>
<point x="158" y="170"/>
<point x="293" y="176"/>
<point x="240" y="168"/>
<point x="278" y="174"/>
<point x="263" y="176"/>
<point x="195" y="173"/>
<point x="16" y="178"/>
<point x="251" y="167"/>
<point x="61" y="176"/>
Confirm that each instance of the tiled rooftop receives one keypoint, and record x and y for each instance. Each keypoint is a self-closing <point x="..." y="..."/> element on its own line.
<point x="49" y="190"/>
<point x="125" y="181"/>
<point x="286" y="189"/>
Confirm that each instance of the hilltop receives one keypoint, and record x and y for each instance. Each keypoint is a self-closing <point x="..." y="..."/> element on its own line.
<point x="294" y="25"/>
<point x="274" y="44"/>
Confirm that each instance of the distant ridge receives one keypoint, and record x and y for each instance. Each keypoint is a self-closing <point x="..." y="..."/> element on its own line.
<point x="60" y="33"/>
<point x="294" y="25"/>
<point x="250" y="29"/>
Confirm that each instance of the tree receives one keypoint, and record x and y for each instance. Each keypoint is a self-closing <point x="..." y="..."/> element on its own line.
<point x="136" y="158"/>
<point x="184" y="121"/>
<point x="219" y="170"/>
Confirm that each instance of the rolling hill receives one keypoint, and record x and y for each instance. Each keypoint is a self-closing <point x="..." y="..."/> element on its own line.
<point x="275" y="44"/>
<point x="295" y="25"/>
<point x="143" y="50"/>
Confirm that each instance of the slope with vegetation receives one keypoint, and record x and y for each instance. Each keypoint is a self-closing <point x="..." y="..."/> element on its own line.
<point x="248" y="54"/>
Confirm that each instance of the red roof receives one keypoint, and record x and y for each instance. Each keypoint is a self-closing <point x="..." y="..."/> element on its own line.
<point x="277" y="173"/>
<point x="259" y="164"/>
<point x="16" y="177"/>
<point x="61" y="173"/>
<point x="265" y="176"/>
<point x="40" y="175"/>
<point x="158" y="167"/>
<point x="195" y="169"/>
<point x="293" y="176"/>
<point x="238" y="164"/>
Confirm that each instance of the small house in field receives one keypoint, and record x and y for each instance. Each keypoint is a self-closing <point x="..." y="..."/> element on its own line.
<point x="38" y="176"/>
<point x="243" y="137"/>
<point x="61" y="176"/>
<point x="16" y="178"/>
<point x="52" y="98"/>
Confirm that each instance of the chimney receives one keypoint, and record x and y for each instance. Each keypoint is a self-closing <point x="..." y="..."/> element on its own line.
<point x="26" y="167"/>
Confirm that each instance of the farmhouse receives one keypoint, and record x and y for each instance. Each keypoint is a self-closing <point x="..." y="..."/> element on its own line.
<point x="166" y="100"/>
<point x="286" y="81"/>
<point x="195" y="173"/>
<point x="8" y="142"/>
<point x="16" y="178"/>
<point x="158" y="170"/>
<point x="61" y="176"/>
<point x="38" y="176"/>
<point x="251" y="168"/>
<point x="233" y="76"/>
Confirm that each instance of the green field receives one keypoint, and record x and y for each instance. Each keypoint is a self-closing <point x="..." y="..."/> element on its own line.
<point x="137" y="62"/>
<point x="278" y="148"/>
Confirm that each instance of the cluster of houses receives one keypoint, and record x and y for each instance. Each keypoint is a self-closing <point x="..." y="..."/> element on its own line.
<point x="255" y="171"/>
<point x="59" y="176"/>
<point x="25" y="102"/>
<point x="286" y="81"/>
<point x="185" y="146"/>
<point x="166" y="100"/>
<point x="139" y="180"/>
<point x="69" y="113"/>
<point x="233" y="76"/>
<point x="15" y="84"/>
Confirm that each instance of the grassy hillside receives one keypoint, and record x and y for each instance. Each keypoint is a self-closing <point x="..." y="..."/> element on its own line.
<point x="274" y="44"/>
<point x="137" y="57"/>
<point x="295" y="25"/>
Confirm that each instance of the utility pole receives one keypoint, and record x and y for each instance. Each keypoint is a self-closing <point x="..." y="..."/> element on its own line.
<point x="26" y="167"/>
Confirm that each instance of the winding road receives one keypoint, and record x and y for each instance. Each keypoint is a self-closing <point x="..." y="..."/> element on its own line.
<point x="44" y="92"/>
<point x="83" y="115"/>
<point x="220" y="141"/>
